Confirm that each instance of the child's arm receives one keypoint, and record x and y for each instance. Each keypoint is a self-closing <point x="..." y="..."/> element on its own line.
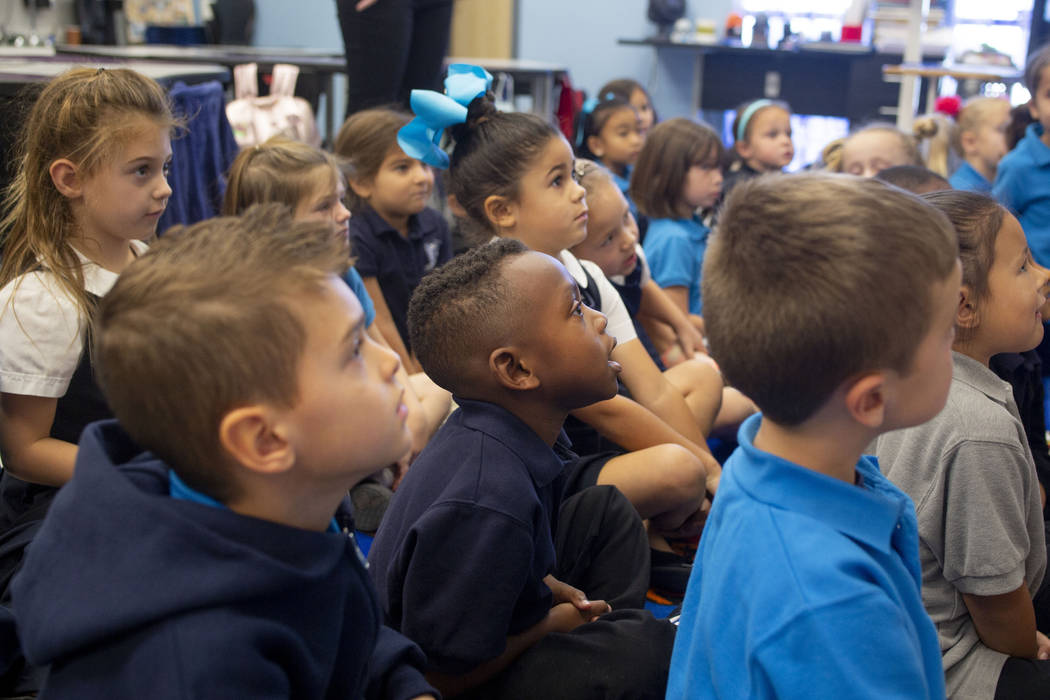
<point x="385" y="322"/>
<point x="1005" y="623"/>
<point x="679" y="296"/>
<point x="657" y="304"/>
<point x="650" y="388"/>
<point x="634" y="427"/>
<point x="30" y="453"/>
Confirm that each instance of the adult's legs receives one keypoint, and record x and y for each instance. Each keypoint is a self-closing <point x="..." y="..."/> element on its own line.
<point x="377" y="43"/>
<point x="431" y="27"/>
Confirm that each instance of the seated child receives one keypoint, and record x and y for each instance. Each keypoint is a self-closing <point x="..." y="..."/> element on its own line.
<point x="220" y="562"/>
<point x="872" y="149"/>
<point x="309" y="182"/>
<point x="632" y="91"/>
<point x="1021" y="181"/>
<point x="678" y="175"/>
<point x="970" y="472"/>
<point x="396" y="237"/>
<point x="914" y="178"/>
<point x="762" y="133"/>
<point x="506" y="586"/>
<point x="511" y="173"/>
<point x="979" y="138"/>
<point x="609" y="132"/>
<point x="807" y="583"/>
<point x="612" y="245"/>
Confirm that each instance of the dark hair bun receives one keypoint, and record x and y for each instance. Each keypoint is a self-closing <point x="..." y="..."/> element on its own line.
<point x="481" y="109"/>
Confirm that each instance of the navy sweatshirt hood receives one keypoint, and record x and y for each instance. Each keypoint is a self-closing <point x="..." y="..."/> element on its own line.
<point x="117" y="555"/>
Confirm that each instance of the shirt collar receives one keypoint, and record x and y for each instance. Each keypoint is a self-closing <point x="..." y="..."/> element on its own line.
<point x="1033" y="135"/>
<point x="972" y="373"/>
<point x="180" y="490"/>
<point x="540" y="459"/>
<point x="382" y="227"/>
<point x="867" y="513"/>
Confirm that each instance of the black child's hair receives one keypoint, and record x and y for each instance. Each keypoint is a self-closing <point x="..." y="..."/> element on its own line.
<point x="455" y="308"/>
<point x="591" y="123"/>
<point x="492" y="151"/>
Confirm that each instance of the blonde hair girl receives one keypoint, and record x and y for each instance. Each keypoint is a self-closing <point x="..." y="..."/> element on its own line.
<point x="91" y="185"/>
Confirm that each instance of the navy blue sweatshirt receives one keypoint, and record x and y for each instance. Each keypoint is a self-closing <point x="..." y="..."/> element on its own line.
<point x="129" y="593"/>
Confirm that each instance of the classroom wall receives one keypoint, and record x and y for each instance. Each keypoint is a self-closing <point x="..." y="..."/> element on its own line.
<point x="582" y="35"/>
<point x="303" y="24"/>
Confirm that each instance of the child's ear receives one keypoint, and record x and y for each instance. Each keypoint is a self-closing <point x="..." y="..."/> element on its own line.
<point x="361" y="187"/>
<point x="966" y="315"/>
<point x="256" y="439"/>
<point x="1032" y="111"/>
<point x="595" y="145"/>
<point x="866" y="400"/>
<point x="66" y="177"/>
<point x="743" y="149"/>
<point x="511" y="370"/>
<point x="500" y="211"/>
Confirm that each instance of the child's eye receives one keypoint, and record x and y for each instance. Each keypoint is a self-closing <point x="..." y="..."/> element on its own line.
<point x="167" y="168"/>
<point x="556" y="182"/>
<point x="142" y="170"/>
<point x="578" y="309"/>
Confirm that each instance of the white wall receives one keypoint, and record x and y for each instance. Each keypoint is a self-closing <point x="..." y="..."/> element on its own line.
<point x="582" y="35"/>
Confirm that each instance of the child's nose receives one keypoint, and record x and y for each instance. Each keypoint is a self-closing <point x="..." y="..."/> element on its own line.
<point x="423" y="172"/>
<point x="342" y="214"/>
<point x="163" y="190"/>
<point x="578" y="192"/>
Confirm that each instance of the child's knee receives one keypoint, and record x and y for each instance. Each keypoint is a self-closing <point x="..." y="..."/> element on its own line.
<point x="680" y="470"/>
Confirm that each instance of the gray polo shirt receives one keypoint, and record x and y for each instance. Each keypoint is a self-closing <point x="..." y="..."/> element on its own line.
<point x="971" y="475"/>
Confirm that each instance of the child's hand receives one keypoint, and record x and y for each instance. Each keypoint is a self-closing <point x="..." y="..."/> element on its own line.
<point x="1042" y="644"/>
<point x="565" y="617"/>
<point x="690" y="340"/>
<point x="564" y="593"/>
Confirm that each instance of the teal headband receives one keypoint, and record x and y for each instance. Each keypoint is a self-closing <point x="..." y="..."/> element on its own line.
<point x="741" y="128"/>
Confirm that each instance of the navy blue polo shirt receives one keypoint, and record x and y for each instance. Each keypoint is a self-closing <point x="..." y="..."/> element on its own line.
<point x="460" y="557"/>
<point x="399" y="263"/>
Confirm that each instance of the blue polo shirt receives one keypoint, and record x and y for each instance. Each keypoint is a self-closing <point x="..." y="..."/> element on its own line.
<point x="354" y="281"/>
<point x="1022" y="185"/>
<point x="399" y="263"/>
<point x="675" y="250"/>
<point x="460" y="557"/>
<point x="967" y="178"/>
<point x="806" y="587"/>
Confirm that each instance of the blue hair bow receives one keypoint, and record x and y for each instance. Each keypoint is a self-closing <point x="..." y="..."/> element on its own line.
<point x="434" y="111"/>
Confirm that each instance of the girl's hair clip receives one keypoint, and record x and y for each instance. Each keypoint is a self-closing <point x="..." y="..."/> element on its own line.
<point x="434" y="111"/>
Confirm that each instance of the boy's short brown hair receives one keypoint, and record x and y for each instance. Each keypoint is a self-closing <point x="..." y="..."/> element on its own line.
<point x="206" y="322"/>
<point x="812" y="279"/>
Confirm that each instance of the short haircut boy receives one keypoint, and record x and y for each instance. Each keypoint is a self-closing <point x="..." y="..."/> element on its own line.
<point x="828" y="274"/>
<point x="198" y="572"/>
<point x="833" y="302"/>
<point x="169" y="382"/>
<point x="443" y="314"/>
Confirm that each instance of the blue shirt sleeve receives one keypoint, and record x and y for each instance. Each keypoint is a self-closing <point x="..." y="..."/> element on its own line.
<point x="1008" y="185"/>
<point x="354" y="281"/>
<point x="672" y="257"/>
